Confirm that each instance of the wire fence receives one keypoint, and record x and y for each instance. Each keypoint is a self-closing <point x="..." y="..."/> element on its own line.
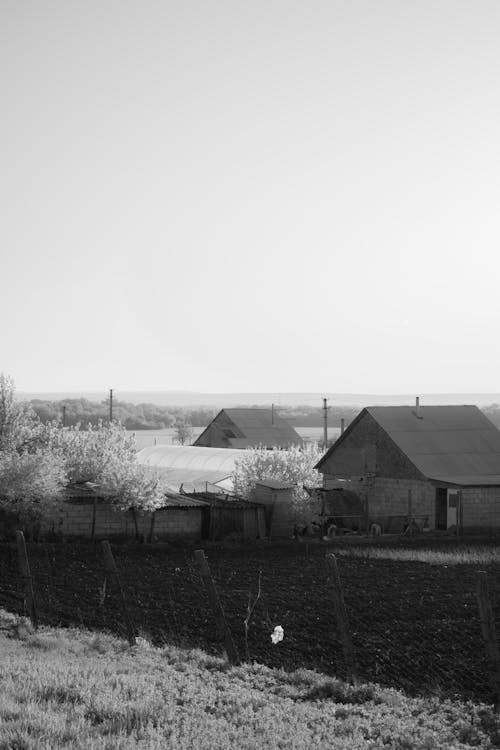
<point x="408" y="625"/>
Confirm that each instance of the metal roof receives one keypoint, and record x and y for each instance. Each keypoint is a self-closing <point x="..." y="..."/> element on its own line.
<point x="191" y="466"/>
<point x="454" y="444"/>
<point x="87" y="492"/>
<point x="183" y="501"/>
<point x="275" y="484"/>
<point x="243" y="428"/>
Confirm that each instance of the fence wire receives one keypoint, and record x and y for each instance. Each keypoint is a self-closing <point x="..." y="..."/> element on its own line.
<point x="414" y="626"/>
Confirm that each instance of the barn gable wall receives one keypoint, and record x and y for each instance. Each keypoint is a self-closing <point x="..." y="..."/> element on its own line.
<point x="367" y="449"/>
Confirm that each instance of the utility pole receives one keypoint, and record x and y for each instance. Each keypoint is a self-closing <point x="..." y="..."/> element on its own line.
<point x="110" y="405"/>
<point x="325" y="424"/>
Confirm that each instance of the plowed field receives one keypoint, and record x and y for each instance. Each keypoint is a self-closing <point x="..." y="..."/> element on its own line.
<point x="413" y="625"/>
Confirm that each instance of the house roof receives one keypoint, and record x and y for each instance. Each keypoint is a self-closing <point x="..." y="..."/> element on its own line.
<point x="451" y="444"/>
<point x="191" y="466"/>
<point x="242" y="428"/>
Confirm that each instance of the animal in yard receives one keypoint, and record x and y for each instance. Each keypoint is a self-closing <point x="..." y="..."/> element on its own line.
<point x="330" y="532"/>
<point x="375" y="529"/>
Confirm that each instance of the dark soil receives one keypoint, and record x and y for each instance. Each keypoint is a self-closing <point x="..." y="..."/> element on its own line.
<point x="414" y="626"/>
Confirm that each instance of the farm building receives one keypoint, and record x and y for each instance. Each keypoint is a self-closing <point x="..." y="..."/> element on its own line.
<point x="232" y="517"/>
<point x="246" y="428"/>
<point x="277" y="499"/>
<point x="433" y="467"/>
<point x="192" y="469"/>
<point x="85" y="514"/>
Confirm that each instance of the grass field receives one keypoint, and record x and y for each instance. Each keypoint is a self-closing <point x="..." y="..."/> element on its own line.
<point x="74" y="690"/>
<point x="462" y="555"/>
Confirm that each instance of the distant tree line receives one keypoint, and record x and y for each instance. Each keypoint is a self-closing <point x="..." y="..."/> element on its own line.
<point x="312" y="416"/>
<point x="73" y="411"/>
<point x="153" y="417"/>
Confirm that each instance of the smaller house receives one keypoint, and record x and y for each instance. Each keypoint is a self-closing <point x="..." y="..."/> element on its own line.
<point x="248" y="428"/>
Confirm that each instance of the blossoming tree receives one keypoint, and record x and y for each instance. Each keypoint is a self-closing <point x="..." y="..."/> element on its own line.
<point x="295" y="465"/>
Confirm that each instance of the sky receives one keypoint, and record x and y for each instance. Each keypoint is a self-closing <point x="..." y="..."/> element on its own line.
<point x="226" y="196"/>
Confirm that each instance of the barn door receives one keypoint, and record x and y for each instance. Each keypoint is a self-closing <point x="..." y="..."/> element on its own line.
<point x="452" y="511"/>
<point x="441" y="509"/>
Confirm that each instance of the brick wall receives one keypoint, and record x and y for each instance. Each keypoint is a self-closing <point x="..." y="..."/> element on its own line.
<point x="75" y="519"/>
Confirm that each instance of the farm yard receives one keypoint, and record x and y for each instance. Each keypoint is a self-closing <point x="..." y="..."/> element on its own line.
<point x="414" y="625"/>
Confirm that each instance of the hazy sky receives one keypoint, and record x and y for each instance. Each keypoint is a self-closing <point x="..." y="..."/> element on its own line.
<point x="249" y="196"/>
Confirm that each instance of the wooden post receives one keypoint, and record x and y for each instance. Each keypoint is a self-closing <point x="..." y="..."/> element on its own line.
<point x="489" y="632"/>
<point x="112" y="570"/>
<point x="410" y="513"/>
<point x="261" y="523"/>
<point x="216" y="605"/>
<point x="136" y="526"/>
<point x="335" y="586"/>
<point x="94" y="513"/>
<point x="152" y="528"/>
<point x="459" y="513"/>
<point x="24" y="569"/>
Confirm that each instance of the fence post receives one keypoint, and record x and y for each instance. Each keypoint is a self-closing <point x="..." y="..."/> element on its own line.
<point x="488" y="631"/>
<point x="24" y="569"/>
<point x="216" y="605"/>
<point x="94" y="514"/>
<point x="112" y="570"/>
<point x="337" y="592"/>
<point x="152" y="528"/>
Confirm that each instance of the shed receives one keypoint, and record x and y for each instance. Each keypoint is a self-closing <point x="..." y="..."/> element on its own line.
<point x="233" y="517"/>
<point x="246" y="428"/>
<point x="430" y="466"/>
<point x="277" y="498"/>
<point x="85" y="514"/>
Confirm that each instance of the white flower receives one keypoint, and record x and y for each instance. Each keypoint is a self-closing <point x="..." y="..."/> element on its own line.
<point x="278" y="634"/>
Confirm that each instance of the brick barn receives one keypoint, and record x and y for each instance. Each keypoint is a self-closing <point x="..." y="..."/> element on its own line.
<point x="433" y="467"/>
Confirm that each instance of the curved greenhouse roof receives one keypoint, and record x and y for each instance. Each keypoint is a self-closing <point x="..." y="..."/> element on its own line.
<point x="192" y="467"/>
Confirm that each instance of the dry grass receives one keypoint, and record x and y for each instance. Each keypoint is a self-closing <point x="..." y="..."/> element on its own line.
<point x="451" y="556"/>
<point x="77" y="691"/>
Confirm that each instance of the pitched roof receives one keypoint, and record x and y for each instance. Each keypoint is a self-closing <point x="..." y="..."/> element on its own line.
<point x="242" y="428"/>
<point x="452" y="444"/>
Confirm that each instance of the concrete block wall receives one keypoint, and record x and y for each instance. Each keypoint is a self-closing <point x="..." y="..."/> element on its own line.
<point x="389" y="497"/>
<point x="75" y="519"/>
<point x="481" y="508"/>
